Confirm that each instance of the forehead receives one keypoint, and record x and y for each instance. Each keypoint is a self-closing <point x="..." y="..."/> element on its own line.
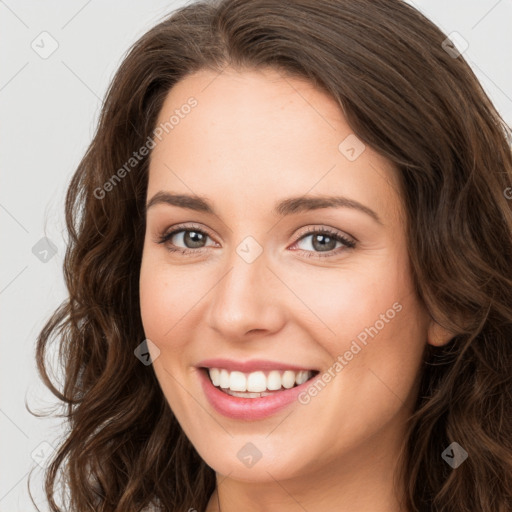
<point x="259" y="135"/>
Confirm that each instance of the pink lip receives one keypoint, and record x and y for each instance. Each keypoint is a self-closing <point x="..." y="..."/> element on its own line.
<point x="248" y="408"/>
<point x="248" y="366"/>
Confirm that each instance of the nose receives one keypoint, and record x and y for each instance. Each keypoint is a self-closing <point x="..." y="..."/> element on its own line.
<point x="247" y="299"/>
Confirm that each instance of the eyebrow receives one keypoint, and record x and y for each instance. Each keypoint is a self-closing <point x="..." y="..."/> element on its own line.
<point x="284" y="207"/>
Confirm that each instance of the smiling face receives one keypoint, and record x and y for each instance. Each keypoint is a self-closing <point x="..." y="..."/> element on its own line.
<point x="292" y="282"/>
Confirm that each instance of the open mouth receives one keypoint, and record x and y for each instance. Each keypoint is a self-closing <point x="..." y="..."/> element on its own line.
<point x="257" y="384"/>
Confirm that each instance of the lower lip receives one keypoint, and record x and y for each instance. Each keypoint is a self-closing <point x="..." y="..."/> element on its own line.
<point x="249" y="408"/>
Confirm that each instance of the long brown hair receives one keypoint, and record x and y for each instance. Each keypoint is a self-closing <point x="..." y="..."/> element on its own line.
<point x="411" y="100"/>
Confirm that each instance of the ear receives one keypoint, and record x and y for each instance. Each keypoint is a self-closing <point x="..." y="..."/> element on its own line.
<point x="438" y="335"/>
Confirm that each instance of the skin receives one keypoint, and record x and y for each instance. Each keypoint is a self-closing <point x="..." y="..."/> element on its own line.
<point x="255" y="138"/>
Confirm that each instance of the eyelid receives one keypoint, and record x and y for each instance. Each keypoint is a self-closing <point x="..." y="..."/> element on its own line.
<point x="311" y="229"/>
<point x="186" y="227"/>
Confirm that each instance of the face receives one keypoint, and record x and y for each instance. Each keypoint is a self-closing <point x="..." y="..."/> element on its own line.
<point x="250" y="275"/>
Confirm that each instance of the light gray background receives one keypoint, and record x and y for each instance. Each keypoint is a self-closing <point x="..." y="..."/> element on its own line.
<point x="49" y="109"/>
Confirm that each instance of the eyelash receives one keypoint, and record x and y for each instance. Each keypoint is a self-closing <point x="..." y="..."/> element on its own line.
<point x="348" y="243"/>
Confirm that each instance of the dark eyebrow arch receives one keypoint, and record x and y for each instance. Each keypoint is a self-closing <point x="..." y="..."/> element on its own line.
<point x="284" y="207"/>
<point x="196" y="203"/>
<point x="305" y="203"/>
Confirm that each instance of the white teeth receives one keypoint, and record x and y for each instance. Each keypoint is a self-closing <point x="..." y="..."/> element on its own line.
<point x="246" y="395"/>
<point x="288" y="379"/>
<point x="224" y="379"/>
<point x="302" y="377"/>
<point x="237" y="381"/>
<point x="215" y="376"/>
<point x="274" y="380"/>
<point x="257" y="382"/>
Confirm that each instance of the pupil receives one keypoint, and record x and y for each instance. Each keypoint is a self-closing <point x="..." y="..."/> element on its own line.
<point x="323" y="240"/>
<point x="194" y="238"/>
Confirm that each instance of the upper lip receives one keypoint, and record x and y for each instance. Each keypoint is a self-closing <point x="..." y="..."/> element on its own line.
<point x="250" y="366"/>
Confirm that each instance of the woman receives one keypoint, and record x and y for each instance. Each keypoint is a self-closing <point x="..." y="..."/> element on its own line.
<point x="289" y="271"/>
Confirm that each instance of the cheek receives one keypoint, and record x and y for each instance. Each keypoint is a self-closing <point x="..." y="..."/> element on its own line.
<point x="164" y="306"/>
<point x="344" y="302"/>
<point x="162" y="303"/>
<point x="172" y="298"/>
<point x="382" y="352"/>
<point x="153" y="297"/>
<point x="372" y="319"/>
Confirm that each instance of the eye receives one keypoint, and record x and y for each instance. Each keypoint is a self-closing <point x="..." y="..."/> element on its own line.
<point x="184" y="240"/>
<point x="324" y="240"/>
<point x="321" y="242"/>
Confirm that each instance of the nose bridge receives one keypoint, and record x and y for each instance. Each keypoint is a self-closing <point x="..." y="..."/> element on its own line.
<point x="243" y="300"/>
